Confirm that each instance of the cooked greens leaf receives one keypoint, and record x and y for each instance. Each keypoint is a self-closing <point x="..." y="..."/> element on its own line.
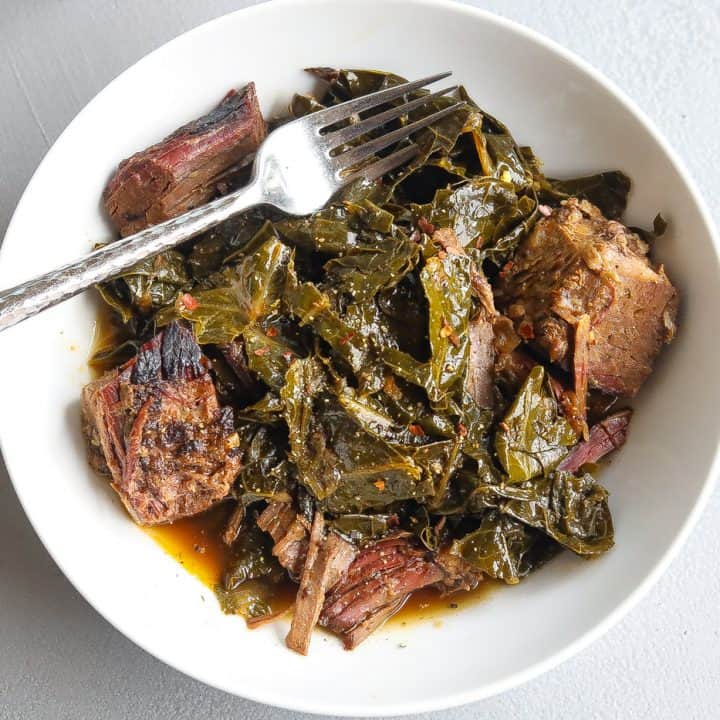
<point x="362" y="528"/>
<point x="154" y="282"/>
<point x="502" y="547"/>
<point x="608" y="190"/>
<point x="251" y="584"/>
<point x="254" y="291"/>
<point x="447" y="287"/>
<point x="270" y="350"/>
<point x="327" y="231"/>
<point x="309" y="451"/>
<point x="480" y="211"/>
<point x="367" y="269"/>
<point x="212" y="249"/>
<point x="265" y="473"/>
<point x="572" y="510"/>
<point x="215" y="315"/>
<point x="533" y="437"/>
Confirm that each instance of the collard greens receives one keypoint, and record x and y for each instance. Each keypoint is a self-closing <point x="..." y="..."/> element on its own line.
<point x="349" y="330"/>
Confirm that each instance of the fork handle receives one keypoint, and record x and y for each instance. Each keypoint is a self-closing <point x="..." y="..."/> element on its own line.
<point x="29" y="298"/>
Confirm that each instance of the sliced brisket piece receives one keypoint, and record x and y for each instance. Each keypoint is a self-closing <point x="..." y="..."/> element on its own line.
<point x="291" y="549"/>
<point x="184" y="169"/>
<point x="234" y="524"/>
<point x="276" y="519"/>
<point x="480" y="382"/>
<point x="607" y="435"/>
<point x="290" y="532"/>
<point x="326" y="562"/>
<point x="169" y="448"/>
<point x="577" y="263"/>
<point x="581" y="357"/>
<point x="374" y="620"/>
<point x="379" y="581"/>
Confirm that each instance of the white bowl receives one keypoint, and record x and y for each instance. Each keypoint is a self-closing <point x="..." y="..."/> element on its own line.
<point x="577" y="122"/>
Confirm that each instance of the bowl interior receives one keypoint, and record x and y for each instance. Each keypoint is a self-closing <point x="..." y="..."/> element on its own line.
<point x="576" y="124"/>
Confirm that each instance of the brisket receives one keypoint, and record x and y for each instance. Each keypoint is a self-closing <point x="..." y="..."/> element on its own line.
<point x="184" y="169"/>
<point x="156" y="426"/>
<point x="576" y="263"/>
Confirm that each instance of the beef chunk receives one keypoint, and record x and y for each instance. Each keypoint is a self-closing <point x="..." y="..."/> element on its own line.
<point x="607" y="435"/>
<point x="326" y="562"/>
<point x="184" y="170"/>
<point x="576" y="263"/>
<point x="169" y="448"/>
<point x="379" y="581"/>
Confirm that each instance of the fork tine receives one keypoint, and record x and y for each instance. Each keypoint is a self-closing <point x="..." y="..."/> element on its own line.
<point x="344" y="135"/>
<point x="384" y="165"/>
<point x="361" y="152"/>
<point x="334" y="114"/>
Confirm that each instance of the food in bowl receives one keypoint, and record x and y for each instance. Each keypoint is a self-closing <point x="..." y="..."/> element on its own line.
<point x="408" y="389"/>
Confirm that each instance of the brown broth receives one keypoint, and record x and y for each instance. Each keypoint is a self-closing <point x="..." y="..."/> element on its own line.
<point x="108" y="333"/>
<point x="196" y="544"/>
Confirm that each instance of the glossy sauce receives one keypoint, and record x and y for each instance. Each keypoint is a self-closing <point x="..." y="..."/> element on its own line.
<point x="108" y="332"/>
<point x="196" y="544"/>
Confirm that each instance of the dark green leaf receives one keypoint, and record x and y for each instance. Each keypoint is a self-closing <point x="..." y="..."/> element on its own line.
<point x="221" y="314"/>
<point x="304" y="382"/>
<point x="447" y="288"/>
<point x="533" y="437"/>
<point x="154" y="283"/>
<point x="252" y="583"/>
<point x="266" y="473"/>
<point x="502" y="547"/>
<point x="361" y="528"/>
<point x="573" y="511"/>
<point x="366" y="270"/>
<point x="608" y="190"/>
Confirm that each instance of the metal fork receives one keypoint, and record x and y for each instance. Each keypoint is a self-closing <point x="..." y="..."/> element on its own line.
<point x="298" y="169"/>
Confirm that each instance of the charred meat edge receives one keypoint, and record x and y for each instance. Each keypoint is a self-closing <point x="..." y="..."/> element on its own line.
<point x="184" y="170"/>
<point x="169" y="448"/>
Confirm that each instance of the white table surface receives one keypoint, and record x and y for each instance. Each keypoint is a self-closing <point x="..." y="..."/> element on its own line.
<point x="59" y="659"/>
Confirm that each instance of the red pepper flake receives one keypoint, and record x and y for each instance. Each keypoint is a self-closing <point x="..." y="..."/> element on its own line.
<point x="446" y="331"/>
<point x="262" y="351"/>
<point x="347" y="338"/>
<point x="416" y="430"/>
<point x="379" y="484"/>
<point x="189" y="302"/>
<point x="525" y="330"/>
<point x="288" y="355"/>
<point x="507" y="267"/>
<point x="271" y="332"/>
<point x="426" y="226"/>
<point x="461" y="430"/>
